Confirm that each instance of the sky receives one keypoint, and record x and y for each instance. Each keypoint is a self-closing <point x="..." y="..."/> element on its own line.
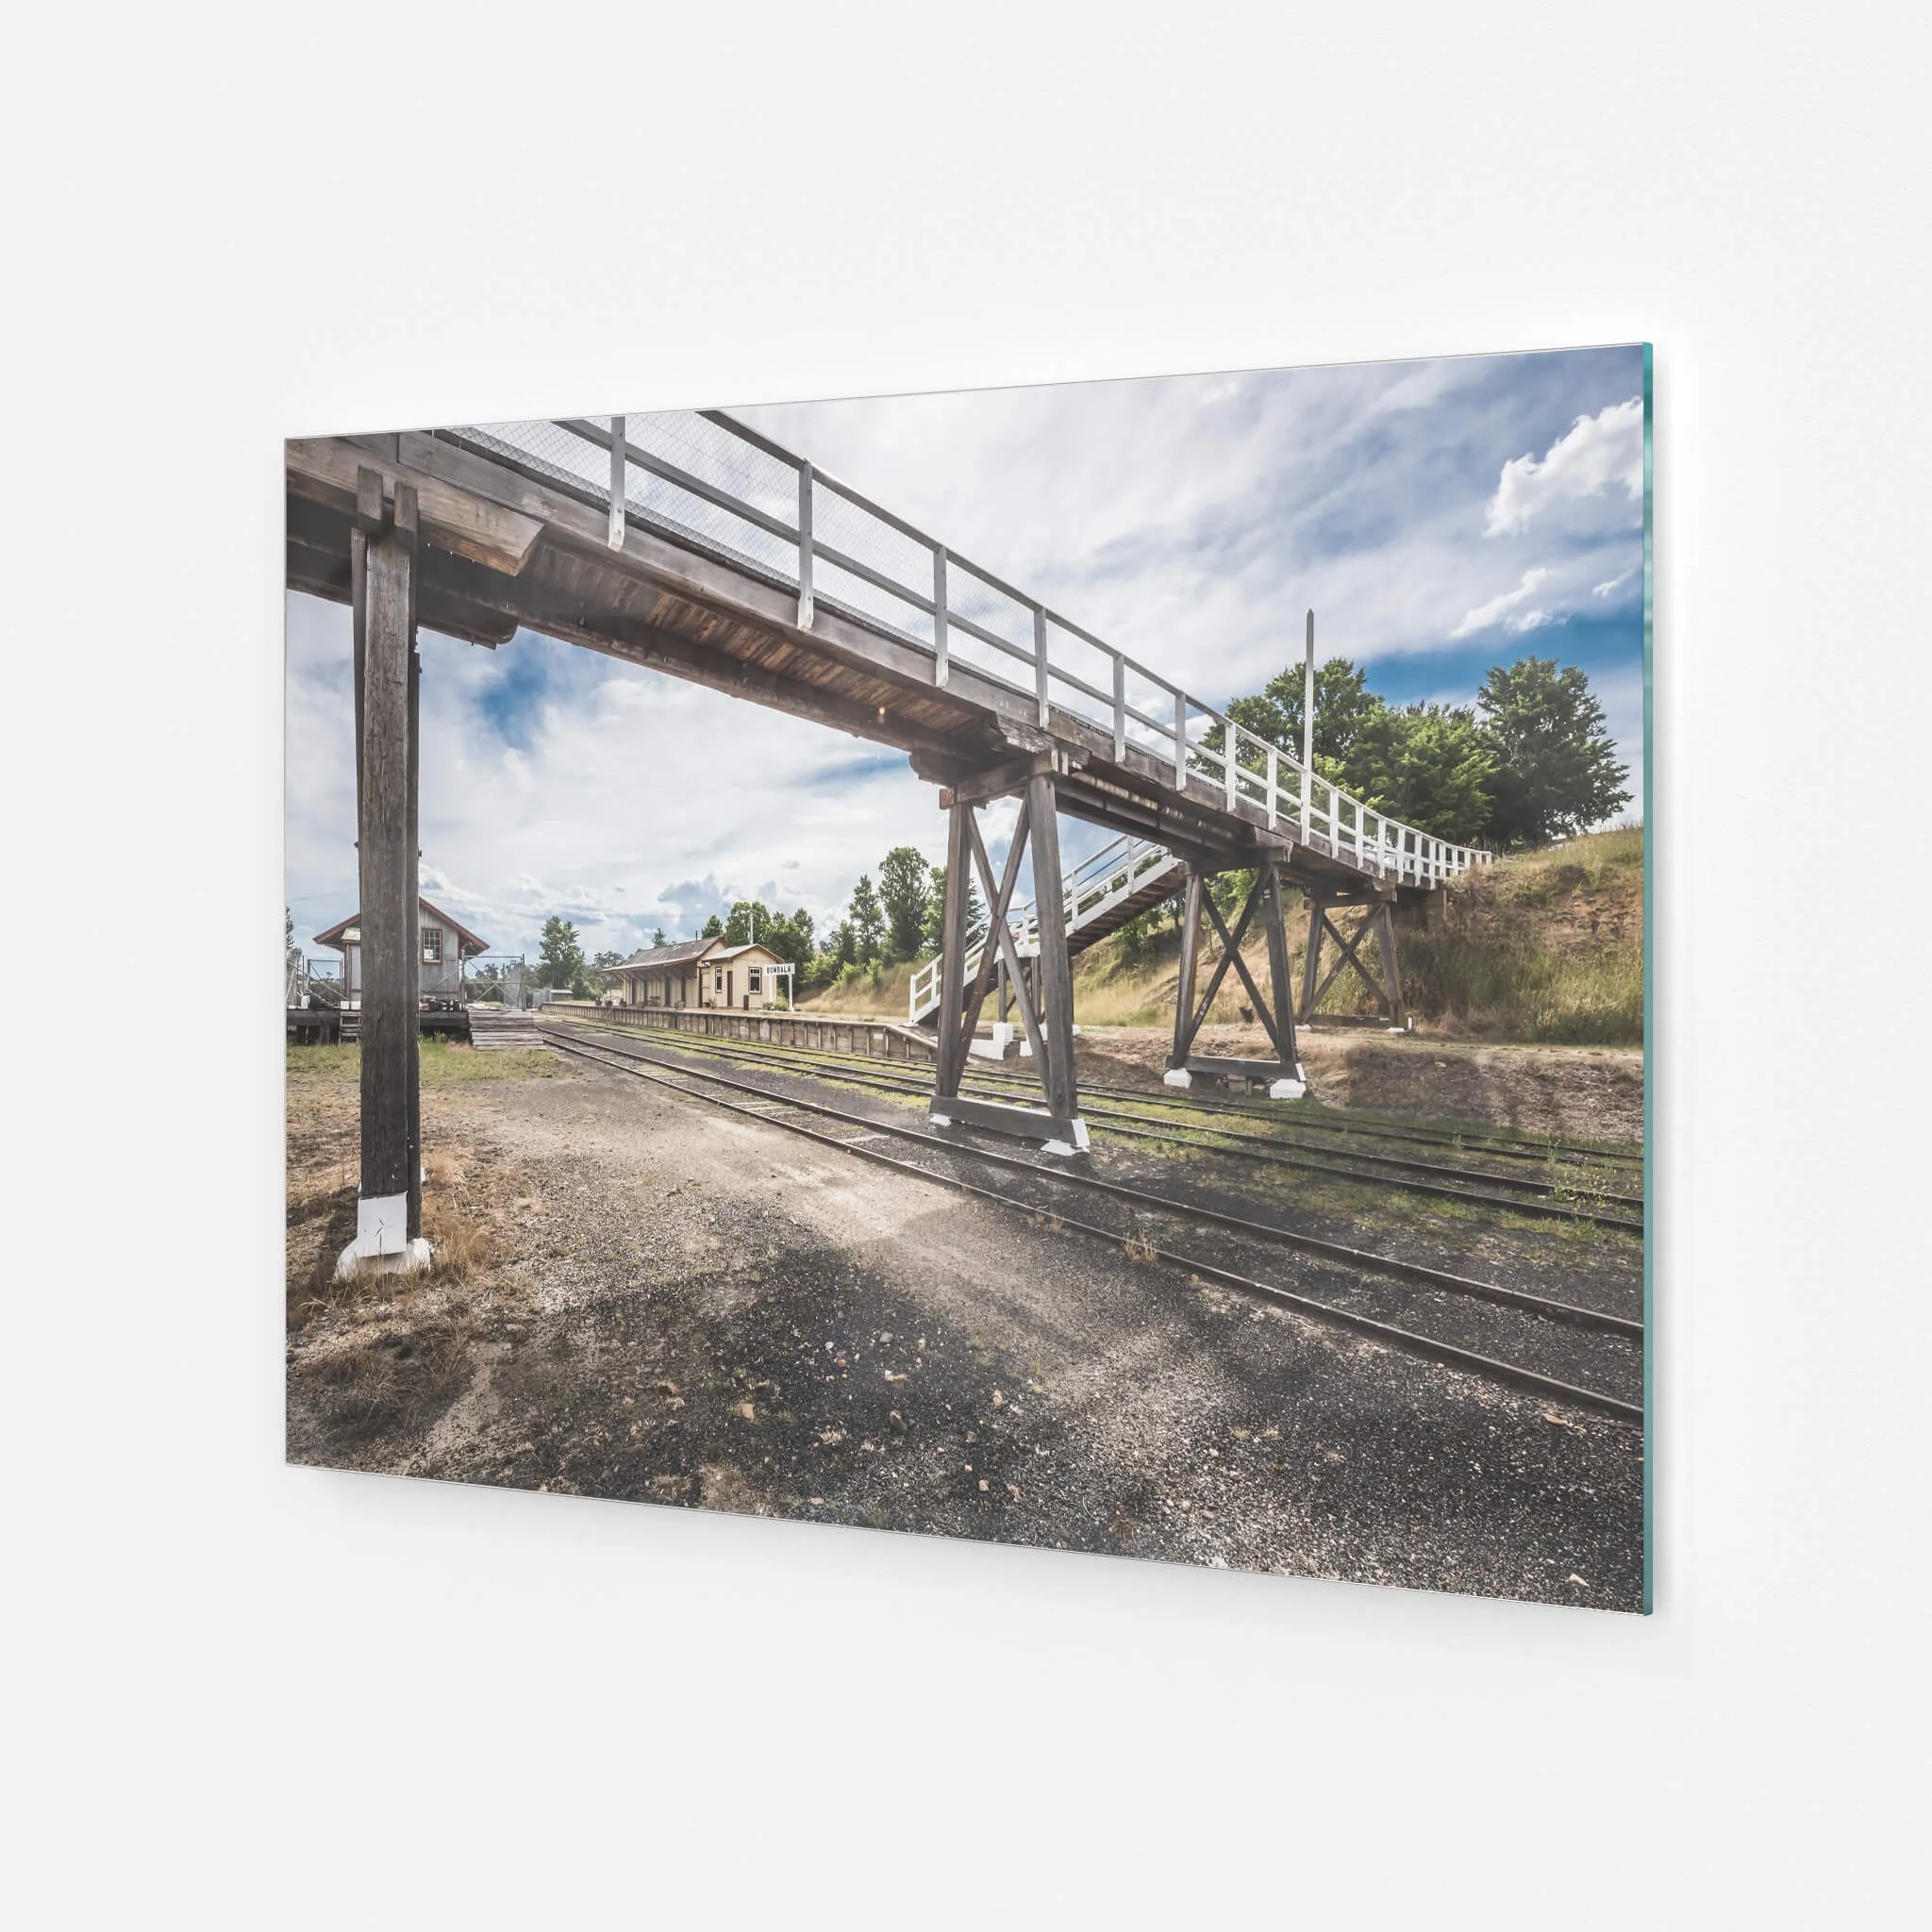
<point x="1439" y="517"/>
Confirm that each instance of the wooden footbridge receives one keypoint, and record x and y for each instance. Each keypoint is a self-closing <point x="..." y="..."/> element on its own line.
<point x="688" y="543"/>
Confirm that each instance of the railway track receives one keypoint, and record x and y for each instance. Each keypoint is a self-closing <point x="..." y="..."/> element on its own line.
<point x="1362" y="1283"/>
<point x="1512" y="1192"/>
<point x="1301" y="1117"/>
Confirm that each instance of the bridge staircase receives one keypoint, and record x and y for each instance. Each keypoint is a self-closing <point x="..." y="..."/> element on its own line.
<point x="1124" y="879"/>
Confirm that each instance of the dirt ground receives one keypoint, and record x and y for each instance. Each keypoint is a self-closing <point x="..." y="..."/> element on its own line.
<point x="643" y="1298"/>
<point x="1587" y="1092"/>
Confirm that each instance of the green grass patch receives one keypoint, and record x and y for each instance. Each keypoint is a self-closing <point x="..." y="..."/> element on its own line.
<point x="444" y="1063"/>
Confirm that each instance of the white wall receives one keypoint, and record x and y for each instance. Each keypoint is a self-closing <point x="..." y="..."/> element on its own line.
<point x="256" y="1696"/>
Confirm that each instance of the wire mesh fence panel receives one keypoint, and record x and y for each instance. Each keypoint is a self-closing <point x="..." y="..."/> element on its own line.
<point x="1079" y="675"/>
<point x="882" y="551"/>
<point x="712" y="455"/>
<point x="549" y="449"/>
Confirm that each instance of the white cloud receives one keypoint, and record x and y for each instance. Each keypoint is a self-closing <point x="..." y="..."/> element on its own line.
<point x="1190" y="521"/>
<point x="1498" y="610"/>
<point x="1593" y="457"/>
<point x="1616" y="583"/>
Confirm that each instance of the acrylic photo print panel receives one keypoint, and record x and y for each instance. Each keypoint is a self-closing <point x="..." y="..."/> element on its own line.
<point x="1063" y="966"/>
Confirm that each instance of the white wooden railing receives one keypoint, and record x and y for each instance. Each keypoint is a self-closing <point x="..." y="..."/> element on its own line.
<point x="713" y="483"/>
<point x="1116" y="872"/>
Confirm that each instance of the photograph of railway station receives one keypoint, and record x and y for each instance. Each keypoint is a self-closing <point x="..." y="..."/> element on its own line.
<point x="1063" y="966"/>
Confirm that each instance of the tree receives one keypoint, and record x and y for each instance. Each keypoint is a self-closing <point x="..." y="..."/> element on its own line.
<point x="714" y="928"/>
<point x="903" y="896"/>
<point x="606" y="959"/>
<point x="931" y="930"/>
<point x="1344" y="704"/>
<point x="868" y="920"/>
<point x="1430" y="766"/>
<point x="658" y="938"/>
<point x="562" y="960"/>
<point x="291" y="953"/>
<point x="1556" y="769"/>
<point x="792" y="937"/>
<point x="750" y="922"/>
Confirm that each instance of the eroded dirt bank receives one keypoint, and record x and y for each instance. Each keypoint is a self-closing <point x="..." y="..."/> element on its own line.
<point x="1587" y="1092"/>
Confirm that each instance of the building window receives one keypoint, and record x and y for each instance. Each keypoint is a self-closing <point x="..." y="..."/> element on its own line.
<point x="751" y="979"/>
<point x="432" y="945"/>
<point x="718" y="979"/>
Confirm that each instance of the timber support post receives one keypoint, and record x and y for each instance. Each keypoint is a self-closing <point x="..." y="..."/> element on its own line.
<point x="1283" y="1074"/>
<point x="1044" y="998"/>
<point x="1377" y="920"/>
<point x="389" y="1204"/>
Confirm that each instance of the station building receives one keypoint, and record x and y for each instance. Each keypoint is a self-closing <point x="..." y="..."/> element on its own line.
<point x="442" y="946"/>
<point x="701" y="972"/>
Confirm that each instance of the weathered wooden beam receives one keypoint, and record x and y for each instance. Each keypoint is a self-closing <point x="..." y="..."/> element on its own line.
<point x="1025" y="992"/>
<point x="327" y="469"/>
<point x="1000" y="902"/>
<point x="952" y="954"/>
<point x="1065" y="1130"/>
<point x="1232" y="952"/>
<point x="1280" y="989"/>
<point x="1311" y="960"/>
<point x="1056" y="962"/>
<point x="1190" y="960"/>
<point x="1392" y="971"/>
<point x="389" y="1205"/>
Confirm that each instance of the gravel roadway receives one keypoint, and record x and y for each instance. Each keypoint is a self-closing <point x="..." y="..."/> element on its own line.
<point x="670" y="1304"/>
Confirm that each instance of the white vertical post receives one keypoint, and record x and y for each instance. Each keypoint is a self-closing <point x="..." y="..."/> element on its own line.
<point x="804" y="604"/>
<point x="1120" y="710"/>
<point x="942" y="665"/>
<point x="1308" y="733"/>
<point x="1040" y="685"/>
<point x="1273" y="781"/>
<point x="1228" y="757"/>
<point x="1180" y="740"/>
<point x="620" y="430"/>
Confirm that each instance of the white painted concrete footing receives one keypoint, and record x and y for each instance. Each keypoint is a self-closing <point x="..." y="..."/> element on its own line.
<point x="381" y="1242"/>
<point x="1176" y="1076"/>
<point x="940" y="1119"/>
<point x="995" y="1048"/>
<point x="1287" y="1089"/>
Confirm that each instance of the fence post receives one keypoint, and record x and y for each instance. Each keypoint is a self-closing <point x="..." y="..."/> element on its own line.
<point x="1274" y="783"/>
<point x="1120" y="710"/>
<point x="941" y="666"/>
<point x="1308" y="736"/>
<point x="1228" y="760"/>
<point x="805" y="599"/>
<point x="1180" y="740"/>
<point x="1040" y="674"/>
<point x="620" y="430"/>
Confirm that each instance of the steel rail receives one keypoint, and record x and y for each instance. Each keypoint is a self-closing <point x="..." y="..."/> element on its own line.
<point x="1256" y="1230"/>
<point x="1257" y="1147"/>
<point x="1335" y="1122"/>
<point x="1404" y="1338"/>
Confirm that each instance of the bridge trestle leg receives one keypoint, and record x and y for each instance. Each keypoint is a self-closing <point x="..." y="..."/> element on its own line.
<point x="1379" y="920"/>
<point x="1044" y="998"/>
<point x="1283" y="1075"/>
<point x="389" y="1204"/>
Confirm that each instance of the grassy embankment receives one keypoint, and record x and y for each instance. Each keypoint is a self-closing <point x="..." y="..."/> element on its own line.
<point x="444" y="1063"/>
<point x="1544" y="947"/>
